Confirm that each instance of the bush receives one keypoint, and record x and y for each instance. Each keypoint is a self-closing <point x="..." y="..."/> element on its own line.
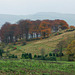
<point x="57" y="33"/>
<point x="24" y="43"/>
<point x="35" y="56"/>
<point x="32" y="39"/>
<point x="26" y="56"/>
<point x="23" y="56"/>
<point x="39" y="56"/>
<point x="30" y="55"/>
<point x="57" y="55"/>
<point x="69" y="30"/>
<point x="42" y="57"/>
<point x="1" y="51"/>
<point x="60" y="33"/>
<point x="46" y="55"/>
<point x="61" y="54"/>
<point x="50" y="54"/>
<point x="71" y="54"/>
<point x="15" y="48"/>
<point x="14" y="43"/>
<point x="53" y="54"/>
<point x="13" y="56"/>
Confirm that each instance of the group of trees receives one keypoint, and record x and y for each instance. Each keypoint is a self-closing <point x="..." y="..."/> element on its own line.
<point x="23" y="28"/>
<point x="72" y="27"/>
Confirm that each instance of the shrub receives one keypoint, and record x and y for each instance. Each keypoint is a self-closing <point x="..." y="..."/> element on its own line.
<point x="24" y="43"/>
<point x="58" y="33"/>
<point x="15" y="48"/>
<point x="14" y="43"/>
<point x="57" y="55"/>
<point x="1" y="52"/>
<point x="19" y="42"/>
<point x="26" y="56"/>
<point x="39" y="56"/>
<point x="53" y="54"/>
<point x="42" y="57"/>
<point x="35" y="56"/>
<point x="69" y="30"/>
<point x="61" y="54"/>
<point x="13" y="56"/>
<point x="50" y="54"/>
<point x="30" y="55"/>
<point x="46" y="55"/>
<point x="23" y="56"/>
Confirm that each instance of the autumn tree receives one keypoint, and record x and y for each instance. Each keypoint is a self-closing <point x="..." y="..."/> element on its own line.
<point x="63" y="24"/>
<point x="5" y="32"/>
<point x="72" y="27"/>
<point x="45" y="30"/>
<point x="70" y="51"/>
<point x="24" y="27"/>
<point x="35" y="27"/>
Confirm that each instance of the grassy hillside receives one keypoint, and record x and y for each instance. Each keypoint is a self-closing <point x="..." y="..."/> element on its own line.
<point x="34" y="47"/>
<point x="35" y="67"/>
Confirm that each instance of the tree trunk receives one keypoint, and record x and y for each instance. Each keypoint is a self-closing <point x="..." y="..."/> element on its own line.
<point x="37" y="35"/>
<point x="32" y="36"/>
<point x="16" y="39"/>
<point x="61" y="54"/>
<point x="26" y="36"/>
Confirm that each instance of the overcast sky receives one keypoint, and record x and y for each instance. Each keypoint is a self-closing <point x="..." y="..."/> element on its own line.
<point x="24" y="7"/>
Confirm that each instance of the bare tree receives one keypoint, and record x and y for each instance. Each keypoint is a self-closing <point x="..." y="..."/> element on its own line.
<point x="62" y="44"/>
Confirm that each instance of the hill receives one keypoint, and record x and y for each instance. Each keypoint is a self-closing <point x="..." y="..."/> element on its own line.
<point x="34" y="47"/>
<point x="69" y="18"/>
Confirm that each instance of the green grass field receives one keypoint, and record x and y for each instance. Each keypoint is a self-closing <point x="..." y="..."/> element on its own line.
<point x="36" y="67"/>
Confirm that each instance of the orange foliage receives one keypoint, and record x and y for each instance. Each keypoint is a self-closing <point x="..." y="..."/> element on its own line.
<point x="72" y="27"/>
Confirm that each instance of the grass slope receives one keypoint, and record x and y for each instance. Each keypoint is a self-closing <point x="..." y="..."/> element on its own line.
<point x="34" y="47"/>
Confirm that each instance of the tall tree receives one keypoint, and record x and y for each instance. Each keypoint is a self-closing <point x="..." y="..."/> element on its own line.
<point x="62" y="44"/>
<point x="71" y="50"/>
<point x="25" y="27"/>
<point x="44" y="28"/>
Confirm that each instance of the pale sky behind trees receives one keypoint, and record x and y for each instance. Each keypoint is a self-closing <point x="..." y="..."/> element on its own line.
<point x="25" y="7"/>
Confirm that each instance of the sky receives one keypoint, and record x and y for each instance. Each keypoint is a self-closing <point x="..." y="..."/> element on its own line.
<point x="25" y="7"/>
